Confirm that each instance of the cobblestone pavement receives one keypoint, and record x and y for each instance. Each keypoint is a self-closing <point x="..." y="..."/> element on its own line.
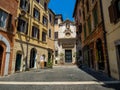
<point x="59" y="78"/>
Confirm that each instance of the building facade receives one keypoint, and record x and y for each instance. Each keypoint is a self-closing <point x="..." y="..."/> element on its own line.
<point x="93" y="35"/>
<point x="8" y="14"/>
<point x="65" y="46"/>
<point x="31" y="35"/>
<point x="58" y="20"/>
<point x="111" y="13"/>
<point x="78" y="22"/>
<point x="51" y="45"/>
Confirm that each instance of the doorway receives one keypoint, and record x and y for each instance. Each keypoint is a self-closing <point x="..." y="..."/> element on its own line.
<point x="32" y="58"/>
<point x="118" y="58"/>
<point x="100" y="56"/>
<point x="1" y="57"/>
<point x="18" y="62"/>
<point x="68" y="56"/>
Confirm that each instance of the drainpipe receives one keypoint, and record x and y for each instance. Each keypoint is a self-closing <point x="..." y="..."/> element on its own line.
<point x="106" y="48"/>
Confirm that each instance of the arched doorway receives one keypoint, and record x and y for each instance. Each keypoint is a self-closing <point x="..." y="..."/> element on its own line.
<point x="33" y="57"/>
<point x="100" y="55"/>
<point x="18" y="61"/>
<point x="1" y="57"/>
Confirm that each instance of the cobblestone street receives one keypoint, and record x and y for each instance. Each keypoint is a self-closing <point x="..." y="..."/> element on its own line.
<point x="59" y="78"/>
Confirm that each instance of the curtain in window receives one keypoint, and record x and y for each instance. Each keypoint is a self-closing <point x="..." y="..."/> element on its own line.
<point x="3" y="19"/>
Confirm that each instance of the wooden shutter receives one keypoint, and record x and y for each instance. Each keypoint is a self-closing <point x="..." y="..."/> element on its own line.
<point x="28" y="10"/>
<point x="32" y="31"/>
<point x="9" y="26"/>
<point x="112" y="13"/>
<point x="26" y="29"/>
<point x="38" y="34"/>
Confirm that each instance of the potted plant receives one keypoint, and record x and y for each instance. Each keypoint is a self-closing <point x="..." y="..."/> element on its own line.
<point x="49" y="64"/>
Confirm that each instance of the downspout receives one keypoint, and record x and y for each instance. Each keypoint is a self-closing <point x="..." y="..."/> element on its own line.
<point x="106" y="48"/>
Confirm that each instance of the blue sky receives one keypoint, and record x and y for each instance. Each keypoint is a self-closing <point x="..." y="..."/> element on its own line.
<point x="64" y="7"/>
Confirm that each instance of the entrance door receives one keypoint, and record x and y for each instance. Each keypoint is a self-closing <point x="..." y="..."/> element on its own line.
<point x="32" y="58"/>
<point x="118" y="55"/>
<point x="18" y="62"/>
<point x="101" y="65"/>
<point x="68" y="56"/>
<point x="1" y="55"/>
<point x="92" y="58"/>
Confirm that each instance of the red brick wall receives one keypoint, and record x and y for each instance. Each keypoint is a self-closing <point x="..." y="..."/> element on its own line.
<point x="9" y="6"/>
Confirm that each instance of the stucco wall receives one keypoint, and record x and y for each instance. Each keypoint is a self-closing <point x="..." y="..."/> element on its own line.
<point x="113" y="32"/>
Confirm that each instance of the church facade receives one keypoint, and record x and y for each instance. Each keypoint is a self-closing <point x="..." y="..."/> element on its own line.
<point x="65" y="46"/>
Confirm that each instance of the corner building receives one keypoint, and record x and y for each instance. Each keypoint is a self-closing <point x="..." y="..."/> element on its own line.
<point x="8" y="14"/>
<point x="31" y="34"/>
<point x="111" y="12"/>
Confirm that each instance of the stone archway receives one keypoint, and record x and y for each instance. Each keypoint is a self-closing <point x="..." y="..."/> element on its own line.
<point x="33" y="55"/>
<point x="100" y="56"/>
<point x="7" y="57"/>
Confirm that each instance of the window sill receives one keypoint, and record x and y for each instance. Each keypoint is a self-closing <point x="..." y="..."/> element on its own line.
<point x="44" y="42"/>
<point x="6" y="30"/>
<point x="36" y="19"/>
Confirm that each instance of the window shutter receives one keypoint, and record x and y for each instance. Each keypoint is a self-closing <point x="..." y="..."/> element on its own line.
<point x="33" y="31"/>
<point x="39" y="16"/>
<point x="38" y="34"/>
<point x="18" y="25"/>
<point x="28" y="7"/>
<point x="26" y="29"/>
<point x="112" y="13"/>
<point x="9" y="26"/>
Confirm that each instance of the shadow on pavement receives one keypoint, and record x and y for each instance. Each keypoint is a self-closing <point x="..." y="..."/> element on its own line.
<point x="100" y="76"/>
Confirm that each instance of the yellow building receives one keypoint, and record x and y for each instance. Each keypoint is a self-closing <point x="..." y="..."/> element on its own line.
<point x="31" y="34"/>
<point x="50" y="40"/>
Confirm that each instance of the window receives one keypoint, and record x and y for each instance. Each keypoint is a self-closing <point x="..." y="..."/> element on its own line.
<point x="118" y="55"/>
<point x="87" y="5"/>
<point x="5" y="19"/>
<point x="36" y="14"/>
<point x="38" y="1"/>
<point x="67" y="25"/>
<point x="44" y="36"/>
<point x="89" y="25"/>
<point x="79" y="28"/>
<point x="80" y="13"/>
<point x="50" y="17"/>
<point x="45" y="6"/>
<point x="22" y="26"/>
<point x="24" y="4"/>
<point x="114" y="11"/>
<point x="85" y="31"/>
<point x="35" y="32"/>
<point x="56" y="53"/>
<point x="83" y="15"/>
<point x="118" y="49"/>
<point x="95" y="15"/>
<point x="56" y="21"/>
<point x="45" y="21"/>
<point x="56" y="35"/>
<point x="49" y="33"/>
